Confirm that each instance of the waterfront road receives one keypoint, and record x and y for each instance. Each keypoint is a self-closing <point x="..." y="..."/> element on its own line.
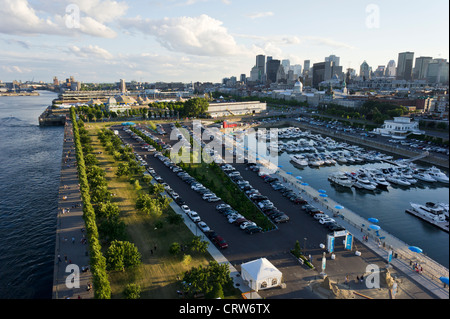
<point x="71" y="249"/>
<point x="276" y="244"/>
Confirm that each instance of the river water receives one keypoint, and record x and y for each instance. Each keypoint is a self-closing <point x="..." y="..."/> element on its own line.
<point x="30" y="158"/>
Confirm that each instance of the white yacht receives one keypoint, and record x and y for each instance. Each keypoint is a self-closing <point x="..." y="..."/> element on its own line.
<point x="341" y="179"/>
<point x="378" y="178"/>
<point x="397" y="179"/>
<point x="434" y="213"/>
<point x="437" y="174"/>
<point x="423" y="176"/>
<point x="362" y="181"/>
<point x="300" y="160"/>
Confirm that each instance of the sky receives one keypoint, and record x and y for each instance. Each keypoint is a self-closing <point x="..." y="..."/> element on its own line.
<point x="208" y="40"/>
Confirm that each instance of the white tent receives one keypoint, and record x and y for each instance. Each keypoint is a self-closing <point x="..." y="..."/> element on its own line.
<point x="261" y="274"/>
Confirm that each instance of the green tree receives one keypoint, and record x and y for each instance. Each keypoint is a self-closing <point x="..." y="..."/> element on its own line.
<point x="121" y="255"/>
<point x="132" y="291"/>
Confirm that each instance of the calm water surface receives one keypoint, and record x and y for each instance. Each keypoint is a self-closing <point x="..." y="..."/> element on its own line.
<point x="30" y="157"/>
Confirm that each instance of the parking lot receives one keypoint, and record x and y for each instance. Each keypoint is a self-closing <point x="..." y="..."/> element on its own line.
<point x="274" y="244"/>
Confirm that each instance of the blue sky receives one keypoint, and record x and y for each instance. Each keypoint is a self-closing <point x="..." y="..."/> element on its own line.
<point x="207" y="40"/>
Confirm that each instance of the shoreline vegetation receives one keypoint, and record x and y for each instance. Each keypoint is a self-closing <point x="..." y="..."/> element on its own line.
<point x="134" y="231"/>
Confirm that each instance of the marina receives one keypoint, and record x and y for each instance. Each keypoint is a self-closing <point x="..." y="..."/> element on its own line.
<point x="387" y="201"/>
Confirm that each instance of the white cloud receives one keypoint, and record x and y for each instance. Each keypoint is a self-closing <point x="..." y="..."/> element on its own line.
<point x="90" y="51"/>
<point x="19" y="17"/>
<point x="258" y="15"/>
<point x="202" y="35"/>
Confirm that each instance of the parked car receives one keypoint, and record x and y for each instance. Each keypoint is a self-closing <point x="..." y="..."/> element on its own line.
<point x="333" y="226"/>
<point x="325" y="220"/>
<point x="185" y="208"/>
<point x="253" y="229"/>
<point x="203" y="226"/>
<point x="319" y="216"/>
<point x="220" y="242"/>
<point x="194" y="216"/>
<point x="281" y="219"/>
<point x="247" y="224"/>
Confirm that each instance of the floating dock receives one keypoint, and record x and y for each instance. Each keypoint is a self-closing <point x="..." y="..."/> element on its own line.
<point x="443" y="226"/>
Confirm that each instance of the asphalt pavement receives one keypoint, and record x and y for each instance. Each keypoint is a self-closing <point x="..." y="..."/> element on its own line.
<point x="276" y="244"/>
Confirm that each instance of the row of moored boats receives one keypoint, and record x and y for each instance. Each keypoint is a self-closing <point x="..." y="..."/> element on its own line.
<point x="371" y="178"/>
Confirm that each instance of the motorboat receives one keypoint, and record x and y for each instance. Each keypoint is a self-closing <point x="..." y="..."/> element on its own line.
<point x="362" y="181"/>
<point x="341" y="179"/>
<point x="378" y="178"/>
<point x="300" y="160"/>
<point x="423" y="176"/>
<point x="397" y="179"/>
<point x="437" y="174"/>
<point x="437" y="212"/>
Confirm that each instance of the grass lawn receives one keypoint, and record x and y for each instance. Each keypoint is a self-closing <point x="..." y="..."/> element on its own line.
<point x="157" y="275"/>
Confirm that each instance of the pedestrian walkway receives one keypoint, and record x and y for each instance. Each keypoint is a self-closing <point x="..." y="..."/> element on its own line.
<point x="71" y="248"/>
<point x="380" y="243"/>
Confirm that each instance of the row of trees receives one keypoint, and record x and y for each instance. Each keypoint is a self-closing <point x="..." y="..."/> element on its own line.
<point x="102" y="288"/>
<point x="374" y="111"/>
<point x="195" y="107"/>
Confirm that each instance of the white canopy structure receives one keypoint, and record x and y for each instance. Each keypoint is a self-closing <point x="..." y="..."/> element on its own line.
<point x="261" y="274"/>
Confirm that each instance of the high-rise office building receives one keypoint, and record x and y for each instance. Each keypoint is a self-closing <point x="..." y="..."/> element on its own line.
<point x="391" y="69"/>
<point x="437" y="71"/>
<point x="318" y="74"/>
<point x="306" y="65"/>
<point x="421" y="67"/>
<point x="122" y="86"/>
<point x="261" y="66"/>
<point x="364" y="71"/>
<point x="405" y="66"/>
<point x="334" y="59"/>
<point x="272" y="70"/>
<point x="286" y="65"/>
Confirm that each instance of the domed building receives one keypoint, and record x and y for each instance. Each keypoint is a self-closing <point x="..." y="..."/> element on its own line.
<point x="298" y="87"/>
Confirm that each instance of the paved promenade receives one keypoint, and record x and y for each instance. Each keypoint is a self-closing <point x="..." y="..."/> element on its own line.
<point x="71" y="249"/>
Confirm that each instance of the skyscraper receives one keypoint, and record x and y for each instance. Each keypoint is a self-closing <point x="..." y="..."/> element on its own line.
<point x="318" y="73"/>
<point x="122" y="86"/>
<point x="260" y="65"/>
<point x="437" y="71"/>
<point x="306" y="65"/>
<point x="405" y="66"/>
<point x="421" y="67"/>
<point x="271" y="70"/>
<point x="364" y="71"/>
<point x="391" y="69"/>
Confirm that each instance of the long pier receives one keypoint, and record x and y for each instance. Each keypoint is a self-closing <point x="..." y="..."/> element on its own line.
<point x="71" y="275"/>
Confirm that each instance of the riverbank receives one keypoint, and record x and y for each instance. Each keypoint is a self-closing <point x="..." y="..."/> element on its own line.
<point x="71" y="249"/>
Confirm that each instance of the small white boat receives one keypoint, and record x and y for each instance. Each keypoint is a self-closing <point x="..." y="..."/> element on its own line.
<point x="341" y="179"/>
<point x="424" y="177"/>
<point x="397" y="179"/>
<point x="300" y="160"/>
<point x="436" y="173"/>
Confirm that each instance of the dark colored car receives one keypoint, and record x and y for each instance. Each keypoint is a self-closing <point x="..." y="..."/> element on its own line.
<point x="253" y="229"/>
<point x="220" y="242"/>
<point x="281" y="219"/>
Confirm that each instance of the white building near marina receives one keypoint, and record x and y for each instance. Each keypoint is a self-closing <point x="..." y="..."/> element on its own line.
<point x="399" y="128"/>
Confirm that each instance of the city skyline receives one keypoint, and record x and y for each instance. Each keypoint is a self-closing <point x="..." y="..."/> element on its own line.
<point x="207" y="40"/>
